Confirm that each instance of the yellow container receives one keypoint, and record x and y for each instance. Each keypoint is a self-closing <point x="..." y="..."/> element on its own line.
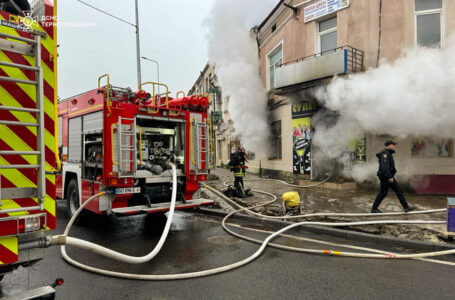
<point x="292" y="199"/>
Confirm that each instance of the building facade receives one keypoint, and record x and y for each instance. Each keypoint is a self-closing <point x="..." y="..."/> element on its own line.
<point x="224" y="139"/>
<point x="303" y="44"/>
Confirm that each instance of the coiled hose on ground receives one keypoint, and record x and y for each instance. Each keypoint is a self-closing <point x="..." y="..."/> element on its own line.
<point x="226" y="183"/>
<point x="332" y="252"/>
<point x="65" y="240"/>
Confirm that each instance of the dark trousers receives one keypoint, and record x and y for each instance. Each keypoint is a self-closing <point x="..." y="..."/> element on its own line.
<point x="238" y="184"/>
<point x="384" y="189"/>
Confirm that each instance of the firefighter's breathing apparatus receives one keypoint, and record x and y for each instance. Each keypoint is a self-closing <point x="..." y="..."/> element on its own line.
<point x="64" y="239"/>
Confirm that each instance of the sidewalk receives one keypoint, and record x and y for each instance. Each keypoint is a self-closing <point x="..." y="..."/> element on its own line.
<point x="319" y="199"/>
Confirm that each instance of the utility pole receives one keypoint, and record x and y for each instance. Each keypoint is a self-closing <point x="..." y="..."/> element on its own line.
<point x="138" y="47"/>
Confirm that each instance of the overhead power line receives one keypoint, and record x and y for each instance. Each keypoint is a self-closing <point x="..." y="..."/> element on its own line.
<point x="106" y="13"/>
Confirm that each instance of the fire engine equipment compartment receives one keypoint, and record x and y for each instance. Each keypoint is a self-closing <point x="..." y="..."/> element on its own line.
<point x="159" y="141"/>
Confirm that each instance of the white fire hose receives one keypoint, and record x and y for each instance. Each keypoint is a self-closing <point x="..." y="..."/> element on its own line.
<point x="66" y="240"/>
<point x="284" y="182"/>
<point x="332" y="252"/>
<point x="113" y="254"/>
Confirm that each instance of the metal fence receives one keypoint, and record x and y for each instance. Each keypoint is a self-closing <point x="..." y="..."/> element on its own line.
<point x="354" y="58"/>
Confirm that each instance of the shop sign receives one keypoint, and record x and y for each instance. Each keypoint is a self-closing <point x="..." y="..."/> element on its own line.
<point x="323" y="8"/>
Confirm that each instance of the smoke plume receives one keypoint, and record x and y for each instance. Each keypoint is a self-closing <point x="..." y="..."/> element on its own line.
<point x="410" y="97"/>
<point x="234" y="53"/>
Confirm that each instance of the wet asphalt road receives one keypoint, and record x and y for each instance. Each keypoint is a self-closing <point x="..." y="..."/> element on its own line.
<point x="198" y="242"/>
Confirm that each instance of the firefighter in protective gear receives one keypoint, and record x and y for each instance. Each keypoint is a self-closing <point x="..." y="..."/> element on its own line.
<point x="237" y="165"/>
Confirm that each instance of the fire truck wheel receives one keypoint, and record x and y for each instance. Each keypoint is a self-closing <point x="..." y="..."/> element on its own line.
<point x="72" y="200"/>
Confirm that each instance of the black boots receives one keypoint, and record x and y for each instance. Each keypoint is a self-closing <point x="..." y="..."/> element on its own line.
<point x="409" y="208"/>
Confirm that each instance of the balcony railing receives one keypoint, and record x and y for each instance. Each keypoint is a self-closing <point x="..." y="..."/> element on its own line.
<point x="342" y="60"/>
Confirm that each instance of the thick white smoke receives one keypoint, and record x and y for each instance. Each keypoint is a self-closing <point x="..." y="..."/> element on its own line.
<point x="234" y="53"/>
<point x="412" y="97"/>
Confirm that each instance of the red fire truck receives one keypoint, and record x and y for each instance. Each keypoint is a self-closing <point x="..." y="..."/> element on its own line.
<point x="28" y="149"/>
<point x="116" y="139"/>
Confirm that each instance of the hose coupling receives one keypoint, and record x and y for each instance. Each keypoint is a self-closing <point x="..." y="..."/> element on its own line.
<point x="57" y="240"/>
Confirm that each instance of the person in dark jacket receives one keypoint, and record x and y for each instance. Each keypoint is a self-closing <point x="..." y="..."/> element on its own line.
<point x="386" y="175"/>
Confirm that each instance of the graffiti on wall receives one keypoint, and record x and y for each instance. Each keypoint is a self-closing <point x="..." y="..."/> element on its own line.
<point x="359" y="151"/>
<point x="301" y="136"/>
<point x="357" y="154"/>
<point x="301" y="151"/>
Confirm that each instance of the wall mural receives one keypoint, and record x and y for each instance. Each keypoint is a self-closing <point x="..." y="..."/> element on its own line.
<point x="301" y="136"/>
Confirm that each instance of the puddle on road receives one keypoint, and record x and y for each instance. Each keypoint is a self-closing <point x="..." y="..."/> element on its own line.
<point x="223" y="240"/>
<point x="259" y="227"/>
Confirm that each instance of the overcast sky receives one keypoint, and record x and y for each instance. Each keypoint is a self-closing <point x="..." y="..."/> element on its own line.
<point x="172" y="32"/>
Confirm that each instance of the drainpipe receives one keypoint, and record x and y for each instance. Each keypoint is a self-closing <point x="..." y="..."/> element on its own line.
<point x="294" y="9"/>
<point x="255" y="31"/>
<point x="380" y="33"/>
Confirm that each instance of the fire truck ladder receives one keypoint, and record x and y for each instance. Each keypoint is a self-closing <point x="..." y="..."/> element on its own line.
<point x="30" y="47"/>
<point x="126" y="147"/>
<point x="202" y="144"/>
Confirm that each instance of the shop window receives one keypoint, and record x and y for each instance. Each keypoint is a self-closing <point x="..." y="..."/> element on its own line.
<point x="327" y="35"/>
<point x="275" y="142"/>
<point x="428" y="147"/>
<point x="275" y="61"/>
<point x="250" y="155"/>
<point x="428" y="20"/>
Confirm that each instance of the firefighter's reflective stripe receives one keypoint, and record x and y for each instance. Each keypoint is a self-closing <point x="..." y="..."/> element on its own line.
<point x="20" y="138"/>
<point x="8" y="250"/>
<point x="239" y="174"/>
<point x="241" y="188"/>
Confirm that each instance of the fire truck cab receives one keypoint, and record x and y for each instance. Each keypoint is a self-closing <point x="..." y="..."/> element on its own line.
<point x="123" y="141"/>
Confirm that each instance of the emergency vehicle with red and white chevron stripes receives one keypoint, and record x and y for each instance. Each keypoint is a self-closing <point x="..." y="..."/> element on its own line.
<point x="121" y="140"/>
<point x="28" y="113"/>
<point x="109" y="139"/>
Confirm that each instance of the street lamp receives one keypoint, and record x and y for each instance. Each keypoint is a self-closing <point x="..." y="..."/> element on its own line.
<point x="157" y="69"/>
<point x="138" y="46"/>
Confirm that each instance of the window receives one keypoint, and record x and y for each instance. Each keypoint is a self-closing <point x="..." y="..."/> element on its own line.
<point x="275" y="60"/>
<point x="428" y="15"/>
<point x="276" y="140"/>
<point x="430" y="147"/>
<point x="60" y="131"/>
<point x="327" y="34"/>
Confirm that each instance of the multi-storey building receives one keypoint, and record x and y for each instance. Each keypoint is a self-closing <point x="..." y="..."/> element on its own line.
<point x="303" y="44"/>
<point x="224" y="139"/>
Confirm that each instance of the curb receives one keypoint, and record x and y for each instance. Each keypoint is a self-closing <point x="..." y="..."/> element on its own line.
<point x="341" y="233"/>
